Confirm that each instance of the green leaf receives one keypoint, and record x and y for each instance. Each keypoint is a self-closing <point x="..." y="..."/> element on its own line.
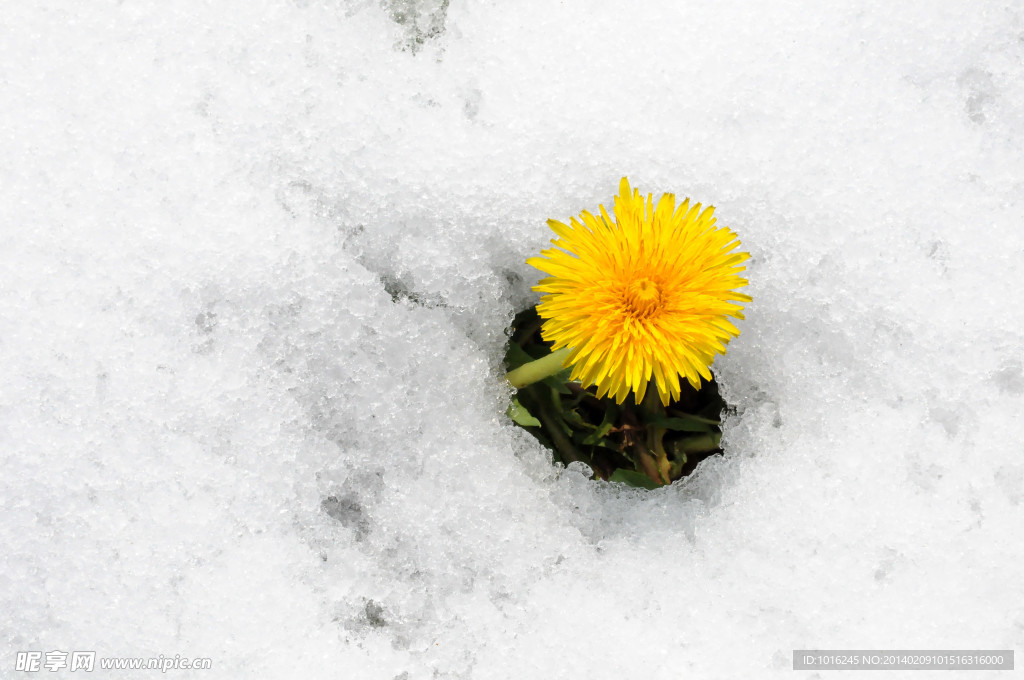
<point x="516" y="356"/>
<point x="577" y="398"/>
<point x="603" y="443"/>
<point x="701" y="443"/>
<point x="710" y="419"/>
<point x="550" y="409"/>
<point x="553" y="401"/>
<point x="558" y="380"/>
<point x="606" y="443"/>
<point x="633" y="478"/>
<point x="678" y="464"/>
<point x="598" y="436"/>
<point x="684" y="424"/>
<point x="611" y="414"/>
<point x="679" y="421"/>
<point x="520" y="415"/>
<point x="573" y="417"/>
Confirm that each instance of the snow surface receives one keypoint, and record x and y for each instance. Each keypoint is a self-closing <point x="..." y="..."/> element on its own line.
<point x="258" y="260"/>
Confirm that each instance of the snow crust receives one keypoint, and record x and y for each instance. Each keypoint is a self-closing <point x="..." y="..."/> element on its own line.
<point x="258" y="259"/>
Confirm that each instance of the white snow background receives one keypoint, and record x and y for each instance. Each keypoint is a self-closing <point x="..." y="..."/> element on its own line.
<point x="257" y="265"/>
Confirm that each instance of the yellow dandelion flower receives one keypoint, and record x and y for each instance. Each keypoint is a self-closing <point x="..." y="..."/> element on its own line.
<point x="644" y="296"/>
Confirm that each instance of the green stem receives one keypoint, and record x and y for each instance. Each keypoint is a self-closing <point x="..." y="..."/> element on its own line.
<point x="554" y="430"/>
<point x="701" y="443"/>
<point x="648" y="465"/>
<point x="538" y="369"/>
<point x="656" y="435"/>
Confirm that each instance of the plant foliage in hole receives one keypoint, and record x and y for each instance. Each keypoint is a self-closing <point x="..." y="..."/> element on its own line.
<point x="644" y="445"/>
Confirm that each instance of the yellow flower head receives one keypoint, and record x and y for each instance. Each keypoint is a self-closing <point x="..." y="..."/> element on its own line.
<point x="646" y="295"/>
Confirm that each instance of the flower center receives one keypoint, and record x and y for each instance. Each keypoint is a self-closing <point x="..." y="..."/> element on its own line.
<point x="643" y="297"/>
